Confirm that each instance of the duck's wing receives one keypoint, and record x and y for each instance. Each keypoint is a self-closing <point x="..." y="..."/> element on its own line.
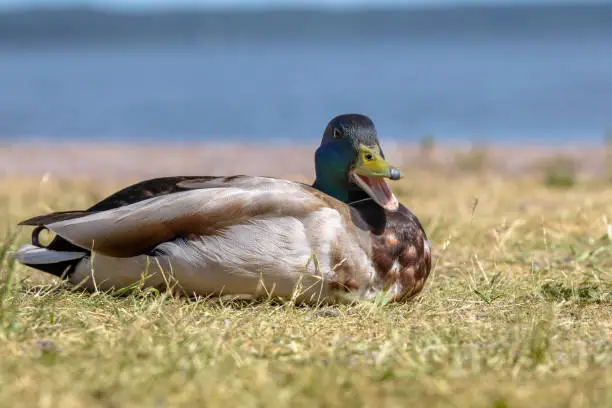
<point x="204" y="207"/>
<point x="129" y="195"/>
<point x="144" y="190"/>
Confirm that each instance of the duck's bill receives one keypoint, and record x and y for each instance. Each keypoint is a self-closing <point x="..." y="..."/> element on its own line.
<point x="378" y="189"/>
<point x="369" y="174"/>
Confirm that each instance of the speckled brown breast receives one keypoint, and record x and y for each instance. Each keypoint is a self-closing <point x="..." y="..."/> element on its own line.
<point x="400" y="250"/>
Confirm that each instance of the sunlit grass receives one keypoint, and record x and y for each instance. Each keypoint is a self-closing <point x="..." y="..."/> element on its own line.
<point x="518" y="312"/>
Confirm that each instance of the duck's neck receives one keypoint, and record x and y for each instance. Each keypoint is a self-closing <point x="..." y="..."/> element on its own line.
<point x="331" y="163"/>
<point x="343" y="192"/>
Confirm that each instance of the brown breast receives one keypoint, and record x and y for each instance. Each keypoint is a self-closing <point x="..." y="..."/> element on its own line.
<point x="401" y="254"/>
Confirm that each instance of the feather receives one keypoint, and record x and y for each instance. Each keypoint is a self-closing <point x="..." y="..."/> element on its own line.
<point x="33" y="255"/>
<point x="137" y="228"/>
<point x="53" y="217"/>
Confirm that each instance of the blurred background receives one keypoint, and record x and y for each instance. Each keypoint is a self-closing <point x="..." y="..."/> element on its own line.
<point x="216" y="71"/>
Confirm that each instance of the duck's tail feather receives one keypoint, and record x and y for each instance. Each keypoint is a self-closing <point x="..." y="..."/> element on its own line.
<point x="59" y="258"/>
<point x="31" y="254"/>
<point x="58" y="263"/>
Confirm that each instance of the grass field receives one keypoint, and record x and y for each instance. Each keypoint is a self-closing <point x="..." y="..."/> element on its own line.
<point x="517" y="313"/>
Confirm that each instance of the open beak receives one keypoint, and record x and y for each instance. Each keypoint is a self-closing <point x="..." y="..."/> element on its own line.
<point x="370" y="172"/>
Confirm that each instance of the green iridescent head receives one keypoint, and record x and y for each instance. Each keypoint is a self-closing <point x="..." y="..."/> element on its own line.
<point x="350" y="164"/>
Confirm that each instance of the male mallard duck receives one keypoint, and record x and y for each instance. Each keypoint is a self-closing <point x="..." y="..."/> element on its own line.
<point x="250" y="235"/>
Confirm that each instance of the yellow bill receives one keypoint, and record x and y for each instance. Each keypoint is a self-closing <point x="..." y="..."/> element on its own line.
<point x="369" y="173"/>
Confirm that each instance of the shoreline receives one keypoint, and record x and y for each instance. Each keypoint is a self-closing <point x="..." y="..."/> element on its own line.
<point x="134" y="159"/>
<point x="307" y="142"/>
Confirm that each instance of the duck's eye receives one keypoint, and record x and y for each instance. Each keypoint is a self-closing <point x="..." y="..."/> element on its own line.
<point x="337" y="133"/>
<point x="369" y="156"/>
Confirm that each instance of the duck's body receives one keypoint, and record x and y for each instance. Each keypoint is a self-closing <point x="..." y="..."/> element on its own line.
<point x="236" y="235"/>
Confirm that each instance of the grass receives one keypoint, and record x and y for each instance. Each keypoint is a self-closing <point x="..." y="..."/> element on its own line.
<point x="517" y="313"/>
<point x="474" y="160"/>
<point x="560" y="172"/>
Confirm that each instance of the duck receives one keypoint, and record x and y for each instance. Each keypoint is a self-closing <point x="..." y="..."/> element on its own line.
<point x="344" y="238"/>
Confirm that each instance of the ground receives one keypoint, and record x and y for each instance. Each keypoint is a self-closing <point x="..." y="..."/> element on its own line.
<point x="517" y="313"/>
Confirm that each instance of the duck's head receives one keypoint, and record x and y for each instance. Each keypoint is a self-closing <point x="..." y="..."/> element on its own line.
<point x="350" y="164"/>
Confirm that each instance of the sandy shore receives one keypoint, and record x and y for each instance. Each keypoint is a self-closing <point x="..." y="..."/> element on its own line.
<point x="105" y="160"/>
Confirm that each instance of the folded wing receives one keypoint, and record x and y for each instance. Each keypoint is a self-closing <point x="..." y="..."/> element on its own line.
<point x="136" y="228"/>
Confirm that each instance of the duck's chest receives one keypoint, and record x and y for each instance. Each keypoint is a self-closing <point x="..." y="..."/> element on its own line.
<point x="400" y="252"/>
<point x="397" y="246"/>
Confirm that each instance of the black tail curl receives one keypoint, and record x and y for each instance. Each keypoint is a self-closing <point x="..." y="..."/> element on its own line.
<point x="59" y="269"/>
<point x="36" y="234"/>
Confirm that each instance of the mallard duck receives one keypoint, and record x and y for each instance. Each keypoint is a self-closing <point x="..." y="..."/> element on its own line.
<point x="345" y="236"/>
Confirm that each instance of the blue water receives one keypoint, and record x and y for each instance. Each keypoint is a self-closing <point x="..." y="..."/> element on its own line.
<point x="538" y="89"/>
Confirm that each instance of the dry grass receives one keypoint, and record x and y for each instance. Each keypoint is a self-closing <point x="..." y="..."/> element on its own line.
<point x="518" y="312"/>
